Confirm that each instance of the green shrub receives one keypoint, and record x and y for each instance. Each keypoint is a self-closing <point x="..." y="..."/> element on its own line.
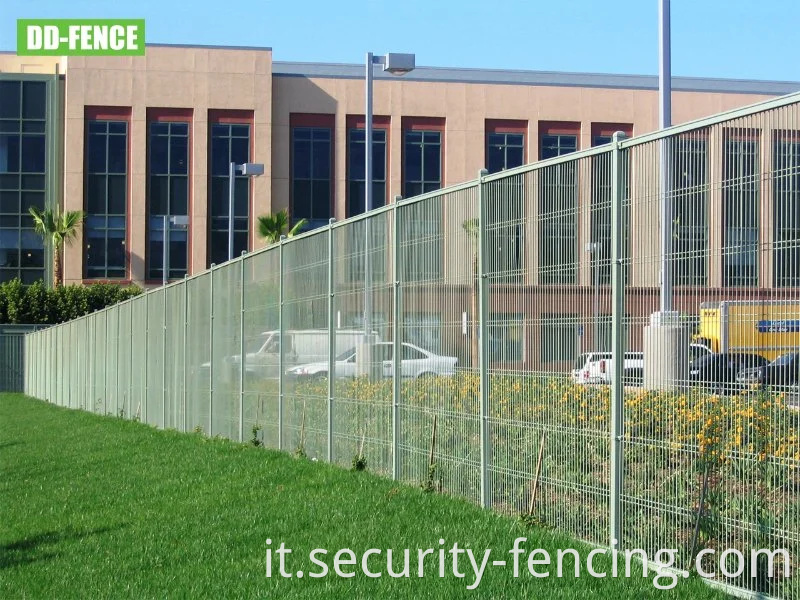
<point x="39" y="305"/>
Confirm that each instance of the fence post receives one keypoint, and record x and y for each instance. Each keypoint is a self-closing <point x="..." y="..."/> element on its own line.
<point x="146" y="353"/>
<point x="107" y="312"/>
<point x="617" y="337"/>
<point x="483" y="316"/>
<point x="280" y="341"/>
<point x="396" y="350"/>
<point x="185" y="332"/>
<point x="211" y="352"/>
<point x="242" y="356"/>
<point x="116" y="365"/>
<point x="331" y="340"/>
<point x="130" y="361"/>
<point x="164" y="364"/>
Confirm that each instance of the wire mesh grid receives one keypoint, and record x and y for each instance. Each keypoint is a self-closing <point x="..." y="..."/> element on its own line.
<point x="608" y="342"/>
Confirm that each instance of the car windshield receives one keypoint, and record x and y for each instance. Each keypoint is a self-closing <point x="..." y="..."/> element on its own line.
<point x="704" y="361"/>
<point x="783" y="360"/>
<point x="346" y="354"/>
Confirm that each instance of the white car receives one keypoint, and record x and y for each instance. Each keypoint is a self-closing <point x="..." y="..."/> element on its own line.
<point x="597" y="367"/>
<point x="416" y="362"/>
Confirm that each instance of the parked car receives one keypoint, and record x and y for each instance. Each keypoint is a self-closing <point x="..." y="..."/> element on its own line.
<point x="416" y="362"/>
<point x="597" y="367"/>
<point x="784" y="370"/>
<point x="719" y="372"/>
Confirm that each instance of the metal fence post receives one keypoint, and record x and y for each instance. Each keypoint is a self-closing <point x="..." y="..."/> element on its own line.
<point x="105" y="365"/>
<point x="116" y="365"/>
<point x="185" y="332"/>
<point x="164" y="365"/>
<point x="146" y="353"/>
<point x="211" y="351"/>
<point x="331" y="340"/>
<point x="242" y="356"/>
<point x="130" y="361"/>
<point x="483" y="316"/>
<point x="396" y="350"/>
<point x="280" y="341"/>
<point x="617" y="338"/>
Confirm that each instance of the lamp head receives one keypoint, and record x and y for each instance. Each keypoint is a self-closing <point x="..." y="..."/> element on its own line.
<point x="399" y="64"/>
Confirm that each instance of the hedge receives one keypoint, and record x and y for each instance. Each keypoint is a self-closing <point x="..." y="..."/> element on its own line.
<point x="36" y="304"/>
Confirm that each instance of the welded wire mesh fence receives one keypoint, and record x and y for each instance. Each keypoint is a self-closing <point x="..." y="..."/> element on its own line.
<point x="617" y="328"/>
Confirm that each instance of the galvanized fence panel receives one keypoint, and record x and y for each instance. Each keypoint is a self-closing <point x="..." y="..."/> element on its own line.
<point x="582" y="340"/>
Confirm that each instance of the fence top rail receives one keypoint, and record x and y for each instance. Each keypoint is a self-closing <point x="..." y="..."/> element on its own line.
<point x="548" y="162"/>
<point x="717" y="119"/>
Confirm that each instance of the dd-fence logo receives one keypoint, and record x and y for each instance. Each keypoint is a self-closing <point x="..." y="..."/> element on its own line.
<point x="80" y="37"/>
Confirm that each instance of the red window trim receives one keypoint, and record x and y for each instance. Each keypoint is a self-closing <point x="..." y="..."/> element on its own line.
<point x="228" y="116"/>
<point x="609" y="129"/>
<point x="423" y="124"/>
<point x="108" y="113"/>
<point x="560" y="128"/>
<point x="359" y="122"/>
<point x="173" y="115"/>
<point x="322" y="120"/>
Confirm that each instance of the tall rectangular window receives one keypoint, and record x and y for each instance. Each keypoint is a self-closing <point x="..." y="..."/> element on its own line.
<point x="601" y="201"/>
<point x="106" y="197"/>
<point x="740" y="198"/>
<point x="312" y="169"/>
<point x="230" y="142"/>
<point x="786" y="198"/>
<point x="506" y="338"/>
<point x="505" y="149"/>
<point x="356" y="147"/>
<point x="22" y="177"/>
<point x="689" y="209"/>
<point x="422" y="172"/>
<point x="558" y="205"/>
<point x="168" y="197"/>
<point x="558" y="338"/>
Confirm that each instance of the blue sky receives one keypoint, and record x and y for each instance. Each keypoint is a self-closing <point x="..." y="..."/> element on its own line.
<point x="710" y="38"/>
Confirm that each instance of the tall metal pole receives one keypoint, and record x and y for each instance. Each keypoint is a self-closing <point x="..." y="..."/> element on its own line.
<point x="396" y="333"/>
<point x="617" y="340"/>
<point x="231" y="179"/>
<point x="367" y="199"/>
<point x="242" y="348"/>
<point x="280" y="341"/>
<point x="665" y="120"/>
<point x="164" y="250"/>
<point x="331" y="340"/>
<point x="483" y="354"/>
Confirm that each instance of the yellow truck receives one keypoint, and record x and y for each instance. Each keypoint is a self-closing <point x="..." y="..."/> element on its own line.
<point x="766" y="327"/>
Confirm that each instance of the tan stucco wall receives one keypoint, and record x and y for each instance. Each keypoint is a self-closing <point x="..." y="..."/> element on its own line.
<point x="166" y="77"/>
<point x="43" y="65"/>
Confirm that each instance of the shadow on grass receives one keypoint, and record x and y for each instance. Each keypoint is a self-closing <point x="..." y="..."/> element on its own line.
<point x="29" y="549"/>
<point x="9" y="444"/>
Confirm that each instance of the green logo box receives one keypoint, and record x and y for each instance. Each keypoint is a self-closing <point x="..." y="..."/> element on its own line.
<point x="80" y="37"/>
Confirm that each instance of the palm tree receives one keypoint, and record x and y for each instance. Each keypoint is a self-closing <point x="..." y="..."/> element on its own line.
<point x="272" y="227"/>
<point x="56" y="228"/>
<point x="470" y="226"/>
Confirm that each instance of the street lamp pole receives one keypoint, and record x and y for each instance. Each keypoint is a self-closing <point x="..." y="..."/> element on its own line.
<point x="665" y="120"/>
<point x="249" y="169"/>
<point x="396" y="64"/>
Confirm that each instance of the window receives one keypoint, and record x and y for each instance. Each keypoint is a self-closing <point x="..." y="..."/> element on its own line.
<point x="558" y="196"/>
<point x="786" y="185"/>
<point x="312" y="168"/>
<point x="355" y="169"/>
<point x="22" y="177"/>
<point x="506" y="339"/>
<point x="741" y="208"/>
<point x="421" y="234"/>
<point x="168" y="196"/>
<point x="558" y="340"/>
<point x="410" y="353"/>
<point x="505" y="149"/>
<point x="690" y="210"/>
<point x="106" y="198"/>
<point x="424" y="330"/>
<point x="230" y="142"/>
<point x="601" y="201"/>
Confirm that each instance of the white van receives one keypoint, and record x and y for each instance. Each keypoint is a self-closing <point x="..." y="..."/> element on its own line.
<point x="300" y="346"/>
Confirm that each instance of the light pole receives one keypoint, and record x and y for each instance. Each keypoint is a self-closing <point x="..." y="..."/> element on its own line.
<point x="249" y="169"/>
<point x="180" y="221"/>
<point x="593" y="248"/>
<point x="396" y="64"/>
<point x="665" y="120"/>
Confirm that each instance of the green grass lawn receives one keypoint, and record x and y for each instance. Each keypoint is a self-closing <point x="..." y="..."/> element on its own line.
<point x="98" y="507"/>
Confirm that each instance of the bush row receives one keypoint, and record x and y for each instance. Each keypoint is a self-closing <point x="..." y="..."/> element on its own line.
<point x="36" y="304"/>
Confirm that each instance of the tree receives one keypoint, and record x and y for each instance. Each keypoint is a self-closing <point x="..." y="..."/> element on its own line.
<point x="272" y="227"/>
<point x="470" y="226"/>
<point x="57" y="228"/>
